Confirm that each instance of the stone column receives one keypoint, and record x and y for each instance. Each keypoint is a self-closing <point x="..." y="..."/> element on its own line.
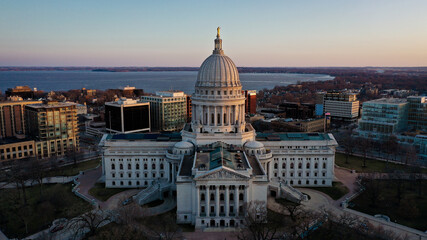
<point x="208" y="111"/>
<point x="237" y="114"/>
<point x="207" y="197"/>
<point x="246" y="197"/>
<point x="236" y="200"/>
<point x="227" y="200"/>
<point x="222" y="116"/>
<point x="242" y="113"/>
<point x="173" y="172"/>
<point x="217" y="200"/>
<point x="198" y="201"/>
<point x="215" y="116"/>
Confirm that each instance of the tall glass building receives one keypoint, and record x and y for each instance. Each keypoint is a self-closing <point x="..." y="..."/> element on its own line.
<point x="384" y="116"/>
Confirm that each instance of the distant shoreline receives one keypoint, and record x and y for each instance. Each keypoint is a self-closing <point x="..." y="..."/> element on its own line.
<point x="311" y="70"/>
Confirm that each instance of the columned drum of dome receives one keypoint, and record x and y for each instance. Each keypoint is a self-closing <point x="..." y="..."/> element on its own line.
<point x="218" y="103"/>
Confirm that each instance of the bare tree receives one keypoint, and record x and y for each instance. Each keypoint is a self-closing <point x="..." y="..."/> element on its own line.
<point x="348" y="144"/>
<point x="259" y="224"/>
<point x="19" y="174"/>
<point x="88" y="224"/>
<point x="372" y="188"/>
<point x="162" y="227"/>
<point x="364" y="145"/>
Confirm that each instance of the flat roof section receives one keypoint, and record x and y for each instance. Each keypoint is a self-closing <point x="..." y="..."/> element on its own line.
<point x="292" y="136"/>
<point x="173" y="137"/>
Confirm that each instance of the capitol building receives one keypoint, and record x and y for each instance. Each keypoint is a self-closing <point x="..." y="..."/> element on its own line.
<point x="218" y="163"/>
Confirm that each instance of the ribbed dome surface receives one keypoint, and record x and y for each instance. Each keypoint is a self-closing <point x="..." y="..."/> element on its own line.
<point x="218" y="70"/>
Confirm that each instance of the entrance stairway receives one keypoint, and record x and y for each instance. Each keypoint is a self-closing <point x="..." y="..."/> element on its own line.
<point x="153" y="192"/>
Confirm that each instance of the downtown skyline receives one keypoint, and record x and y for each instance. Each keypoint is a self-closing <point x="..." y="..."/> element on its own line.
<point x="255" y="34"/>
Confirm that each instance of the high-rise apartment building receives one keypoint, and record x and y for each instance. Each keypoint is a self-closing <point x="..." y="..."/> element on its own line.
<point x="189" y="108"/>
<point x="417" y="113"/>
<point x="168" y="110"/>
<point x="384" y="116"/>
<point x="53" y="126"/>
<point x="12" y="117"/>
<point x="250" y="102"/>
<point x="342" y="106"/>
<point x="127" y="116"/>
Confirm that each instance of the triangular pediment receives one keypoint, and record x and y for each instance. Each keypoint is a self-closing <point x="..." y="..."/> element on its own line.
<point x="222" y="173"/>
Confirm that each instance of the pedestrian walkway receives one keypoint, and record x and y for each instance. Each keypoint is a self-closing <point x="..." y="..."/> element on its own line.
<point x="46" y="180"/>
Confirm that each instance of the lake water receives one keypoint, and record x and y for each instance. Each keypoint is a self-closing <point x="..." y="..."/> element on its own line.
<point x="149" y="81"/>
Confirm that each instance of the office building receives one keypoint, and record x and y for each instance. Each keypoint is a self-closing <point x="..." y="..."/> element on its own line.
<point x="24" y="92"/>
<point x="16" y="148"/>
<point x="384" y="116"/>
<point x="168" y="110"/>
<point x="343" y="106"/>
<point x="189" y="108"/>
<point x="127" y="116"/>
<point x="417" y="113"/>
<point x="250" y="102"/>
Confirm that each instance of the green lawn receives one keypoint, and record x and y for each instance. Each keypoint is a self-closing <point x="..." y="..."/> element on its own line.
<point x="72" y="170"/>
<point x="372" y="165"/>
<point x="412" y="210"/>
<point x="56" y="201"/>
<point x="335" y="192"/>
<point x="101" y="193"/>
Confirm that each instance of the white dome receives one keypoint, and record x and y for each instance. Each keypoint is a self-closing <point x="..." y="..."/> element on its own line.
<point x="183" y="145"/>
<point x="254" y="144"/>
<point x="218" y="70"/>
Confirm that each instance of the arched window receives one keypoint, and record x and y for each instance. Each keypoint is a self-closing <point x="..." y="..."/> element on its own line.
<point x="221" y="197"/>
<point x="241" y="196"/>
<point x="137" y="183"/>
<point x="308" y="165"/>
<point x="299" y="165"/>
<point x="324" y="165"/>
<point x="161" y="166"/>
<point x="212" y="196"/>
<point x="292" y="165"/>
<point x="231" y="197"/>
<point x="202" y="197"/>
<point x="299" y="182"/>
<point x="137" y="166"/>
<point x="145" y="166"/>
<point x="129" y="166"/>
<point x="284" y="165"/>
<point x="323" y="182"/>
<point x="316" y="165"/>
<point x="315" y="182"/>
<point x="275" y="166"/>
<point x="153" y="166"/>
<point x="113" y="166"/>
<point x="121" y="166"/>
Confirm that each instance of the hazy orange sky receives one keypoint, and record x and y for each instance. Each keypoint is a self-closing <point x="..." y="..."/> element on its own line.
<point x="181" y="33"/>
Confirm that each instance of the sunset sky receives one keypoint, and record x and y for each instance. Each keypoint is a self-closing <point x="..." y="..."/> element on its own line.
<point x="181" y="33"/>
